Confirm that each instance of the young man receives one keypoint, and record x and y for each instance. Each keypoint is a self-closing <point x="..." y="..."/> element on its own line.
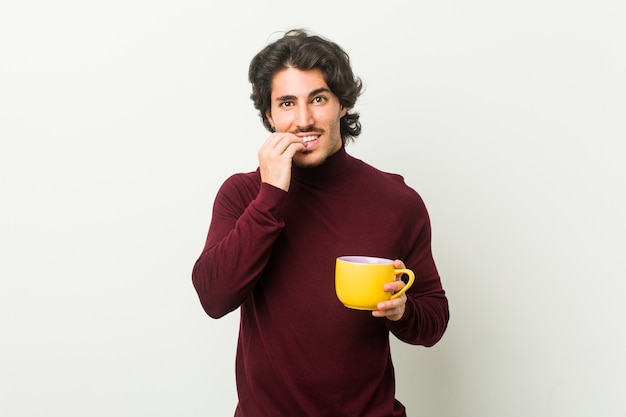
<point x="276" y="232"/>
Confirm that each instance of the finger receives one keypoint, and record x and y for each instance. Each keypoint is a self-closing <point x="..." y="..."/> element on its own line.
<point x="389" y="309"/>
<point x="398" y="264"/>
<point x="280" y="142"/>
<point x="393" y="286"/>
<point x="391" y="304"/>
<point x="293" y="148"/>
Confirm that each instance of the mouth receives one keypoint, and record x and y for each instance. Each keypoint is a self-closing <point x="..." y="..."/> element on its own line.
<point x="309" y="140"/>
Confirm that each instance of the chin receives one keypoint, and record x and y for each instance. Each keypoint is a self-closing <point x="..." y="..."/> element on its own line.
<point x="308" y="160"/>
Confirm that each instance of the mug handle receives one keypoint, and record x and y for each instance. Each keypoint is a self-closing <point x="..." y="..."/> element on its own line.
<point x="407" y="285"/>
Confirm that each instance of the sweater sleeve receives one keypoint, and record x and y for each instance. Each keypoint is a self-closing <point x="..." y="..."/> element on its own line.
<point x="243" y="229"/>
<point x="424" y="321"/>
<point x="427" y="313"/>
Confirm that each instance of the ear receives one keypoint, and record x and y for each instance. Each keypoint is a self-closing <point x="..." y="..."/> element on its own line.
<point x="342" y="111"/>
<point x="268" y="115"/>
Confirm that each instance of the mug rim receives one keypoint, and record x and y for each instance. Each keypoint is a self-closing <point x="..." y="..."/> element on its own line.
<point x="365" y="260"/>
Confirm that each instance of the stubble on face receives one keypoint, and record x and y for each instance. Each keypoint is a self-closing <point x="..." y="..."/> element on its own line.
<point x="310" y="158"/>
<point x="299" y="95"/>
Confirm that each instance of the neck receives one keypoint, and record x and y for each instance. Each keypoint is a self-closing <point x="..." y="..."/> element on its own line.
<point x="333" y="166"/>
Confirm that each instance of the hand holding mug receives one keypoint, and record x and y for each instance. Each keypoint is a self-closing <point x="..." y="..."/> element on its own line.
<point x="370" y="283"/>
<point x="393" y="309"/>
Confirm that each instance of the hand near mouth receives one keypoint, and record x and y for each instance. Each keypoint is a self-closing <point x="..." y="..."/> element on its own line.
<point x="275" y="158"/>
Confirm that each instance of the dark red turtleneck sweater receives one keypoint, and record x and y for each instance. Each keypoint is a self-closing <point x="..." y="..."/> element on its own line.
<point x="272" y="253"/>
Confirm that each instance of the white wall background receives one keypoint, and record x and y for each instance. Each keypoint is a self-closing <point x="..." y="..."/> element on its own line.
<point x="119" y="120"/>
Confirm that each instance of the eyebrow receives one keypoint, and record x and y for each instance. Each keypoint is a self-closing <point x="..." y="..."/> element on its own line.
<point x="311" y="94"/>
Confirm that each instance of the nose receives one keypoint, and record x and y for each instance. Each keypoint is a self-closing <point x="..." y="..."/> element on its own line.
<point x="304" y="117"/>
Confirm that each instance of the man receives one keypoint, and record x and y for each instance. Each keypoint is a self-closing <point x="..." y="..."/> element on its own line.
<point x="276" y="232"/>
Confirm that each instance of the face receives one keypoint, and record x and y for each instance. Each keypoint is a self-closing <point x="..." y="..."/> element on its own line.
<point x="302" y="104"/>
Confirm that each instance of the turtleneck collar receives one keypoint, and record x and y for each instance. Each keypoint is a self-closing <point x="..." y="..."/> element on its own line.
<point x="334" y="166"/>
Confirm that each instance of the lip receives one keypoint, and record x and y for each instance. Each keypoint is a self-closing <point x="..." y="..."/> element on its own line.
<point x="310" y="144"/>
<point x="309" y="138"/>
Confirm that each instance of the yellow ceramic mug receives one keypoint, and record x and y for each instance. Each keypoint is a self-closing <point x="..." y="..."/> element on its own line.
<point x="359" y="281"/>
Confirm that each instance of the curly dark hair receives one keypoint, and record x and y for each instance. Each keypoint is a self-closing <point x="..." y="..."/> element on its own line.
<point x="298" y="49"/>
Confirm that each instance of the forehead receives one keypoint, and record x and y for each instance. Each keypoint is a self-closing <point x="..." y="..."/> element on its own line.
<point x="295" y="82"/>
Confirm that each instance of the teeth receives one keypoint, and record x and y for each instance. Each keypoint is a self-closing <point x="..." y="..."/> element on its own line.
<point x="309" y="138"/>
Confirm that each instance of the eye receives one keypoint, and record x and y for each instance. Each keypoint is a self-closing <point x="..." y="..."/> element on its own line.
<point x="319" y="99"/>
<point x="286" y="104"/>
